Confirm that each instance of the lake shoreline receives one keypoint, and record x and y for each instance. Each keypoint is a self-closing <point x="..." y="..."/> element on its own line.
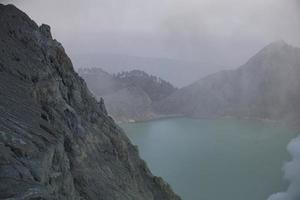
<point x="291" y="122"/>
<point x="205" y="153"/>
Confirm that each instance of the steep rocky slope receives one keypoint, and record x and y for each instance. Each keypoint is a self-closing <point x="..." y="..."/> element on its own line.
<point x="267" y="86"/>
<point x="56" y="140"/>
<point x="129" y="96"/>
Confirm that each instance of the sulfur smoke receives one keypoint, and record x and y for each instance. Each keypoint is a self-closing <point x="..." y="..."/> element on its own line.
<point x="291" y="173"/>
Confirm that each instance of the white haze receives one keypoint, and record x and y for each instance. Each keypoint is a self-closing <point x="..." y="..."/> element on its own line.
<point x="222" y="34"/>
<point x="291" y="173"/>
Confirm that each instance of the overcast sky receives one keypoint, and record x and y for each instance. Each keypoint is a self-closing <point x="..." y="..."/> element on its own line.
<point x="223" y="32"/>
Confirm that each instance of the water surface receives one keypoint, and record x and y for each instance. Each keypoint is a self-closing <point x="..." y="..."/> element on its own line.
<point x="224" y="159"/>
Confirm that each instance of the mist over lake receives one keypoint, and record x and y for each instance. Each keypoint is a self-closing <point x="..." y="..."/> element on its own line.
<point x="150" y="100"/>
<point x="215" y="159"/>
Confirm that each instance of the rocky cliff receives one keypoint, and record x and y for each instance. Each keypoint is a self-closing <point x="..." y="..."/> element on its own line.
<point x="56" y="140"/>
<point x="267" y="86"/>
<point x="129" y="96"/>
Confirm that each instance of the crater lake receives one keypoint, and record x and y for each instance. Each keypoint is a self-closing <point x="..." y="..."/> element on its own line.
<point x="227" y="159"/>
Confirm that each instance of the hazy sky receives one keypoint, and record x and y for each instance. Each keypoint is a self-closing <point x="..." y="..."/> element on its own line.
<point x="223" y="32"/>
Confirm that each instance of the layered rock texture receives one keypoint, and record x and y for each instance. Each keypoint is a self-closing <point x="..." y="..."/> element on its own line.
<point x="267" y="86"/>
<point x="56" y="140"/>
<point x="129" y="96"/>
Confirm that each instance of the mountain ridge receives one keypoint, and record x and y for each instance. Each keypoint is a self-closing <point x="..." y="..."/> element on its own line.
<point x="129" y="95"/>
<point x="264" y="87"/>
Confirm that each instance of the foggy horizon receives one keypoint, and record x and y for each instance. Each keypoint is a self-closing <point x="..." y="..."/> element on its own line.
<point x="209" y="35"/>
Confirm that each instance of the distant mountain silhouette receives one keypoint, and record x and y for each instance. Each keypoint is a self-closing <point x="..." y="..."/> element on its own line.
<point x="129" y="96"/>
<point x="267" y="86"/>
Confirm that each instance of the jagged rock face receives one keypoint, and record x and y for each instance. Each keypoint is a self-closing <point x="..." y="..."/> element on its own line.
<point x="56" y="140"/>
<point x="129" y="96"/>
<point x="267" y="86"/>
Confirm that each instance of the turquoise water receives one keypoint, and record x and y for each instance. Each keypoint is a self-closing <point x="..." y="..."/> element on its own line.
<point x="223" y="159"/>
